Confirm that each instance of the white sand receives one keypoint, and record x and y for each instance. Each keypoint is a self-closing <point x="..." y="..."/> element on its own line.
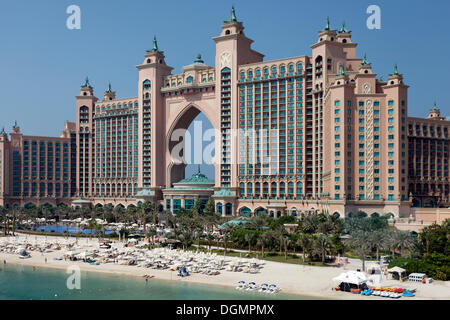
<point x="302" y="280"/>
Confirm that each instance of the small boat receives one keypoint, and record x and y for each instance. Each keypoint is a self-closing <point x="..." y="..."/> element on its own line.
<point x="264" y="288"/>
<point x="24" y="255"/>
<point x="273" y="288"/>
<point x="252" y="286"/>
<point x="241" y="285"/>
<point x="408" y="294"/>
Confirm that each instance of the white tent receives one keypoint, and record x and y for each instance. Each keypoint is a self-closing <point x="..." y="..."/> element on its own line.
<point x="396" y="269"/>
<point x="352" y="277"/>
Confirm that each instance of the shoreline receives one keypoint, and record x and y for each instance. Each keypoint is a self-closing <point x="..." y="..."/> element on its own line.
<point x="306" y="282"/>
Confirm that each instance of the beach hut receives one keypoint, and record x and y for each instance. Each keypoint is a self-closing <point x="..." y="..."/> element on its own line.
<point x="396" y="273"/>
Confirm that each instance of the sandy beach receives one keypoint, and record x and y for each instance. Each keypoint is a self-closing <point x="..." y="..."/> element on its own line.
<point x="311" y="281"/>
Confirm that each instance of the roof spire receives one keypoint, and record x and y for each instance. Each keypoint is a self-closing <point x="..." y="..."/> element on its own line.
<point x="396" y="73"/>
<point x="198" y="168"/>
<point x="109" y="88"/>
<point x="343" y="28"/>
<point x="365" y="62"/>
<point x="3" y="131"/>
<point x="15" y="124"/>
<point x="327" y="26"/>
<point x="86" y="83"/>
<point x="233" y="16"/>
<point x="155" y="46"/>
<point x="435" y="107"/>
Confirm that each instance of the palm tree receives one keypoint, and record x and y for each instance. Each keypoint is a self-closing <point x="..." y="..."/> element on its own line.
<point x="322" y="246"/>
<point x="359" y="242"/>
<point x="226" y="235"/>
<point x="304" y="241"/>
<point x="249" y="238"/>
<point x="3" y="217"/>
<point x="263" y="239"/>
<point x="259" y="221"/>
<point x="286" y="243"/>
<point x="404" y="240"/>
<point x="426" y="236"/>
<point x="309" y="224"/>
<point x="151" y="233"/>
<point x="210" y="239"/>
<point x="377" y="240"/>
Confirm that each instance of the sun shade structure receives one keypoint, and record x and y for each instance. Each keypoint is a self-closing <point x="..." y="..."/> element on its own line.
<point x="352" y="277"/>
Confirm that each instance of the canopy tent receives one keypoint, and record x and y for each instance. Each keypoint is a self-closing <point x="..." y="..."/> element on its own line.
<point x="353" y="277"/>
<point x="397" y="271"/>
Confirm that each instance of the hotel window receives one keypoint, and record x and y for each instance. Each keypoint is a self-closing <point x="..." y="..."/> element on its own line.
<point x="337" y="103"/>
<point x="390" y="102"/>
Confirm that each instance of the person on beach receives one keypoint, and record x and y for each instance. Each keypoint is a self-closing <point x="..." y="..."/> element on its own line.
<point x="45" y="260"/>
<point x="4" y="261"/>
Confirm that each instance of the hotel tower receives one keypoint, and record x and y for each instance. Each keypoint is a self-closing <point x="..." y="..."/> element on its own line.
<point x="294" y="135"/>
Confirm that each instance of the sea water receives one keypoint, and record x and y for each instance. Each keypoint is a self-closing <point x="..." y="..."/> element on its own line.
<point x="19" y="282"/>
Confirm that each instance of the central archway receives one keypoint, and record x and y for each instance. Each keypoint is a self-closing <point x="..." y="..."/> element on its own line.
<point x="184" y="115"/>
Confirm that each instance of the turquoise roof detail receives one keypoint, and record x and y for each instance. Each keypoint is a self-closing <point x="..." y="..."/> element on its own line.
<point x="224" y="193"/>
<point x="188" y="188"/>
<point x="234" y="223"/>
<point x="145" y="193"/>
<point x="197" y="178"/>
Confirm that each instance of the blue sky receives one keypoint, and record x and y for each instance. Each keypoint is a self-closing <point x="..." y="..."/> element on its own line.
<point x="42" y="63"/>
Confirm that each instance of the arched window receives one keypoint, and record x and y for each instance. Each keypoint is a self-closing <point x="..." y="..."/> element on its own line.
<point x="242" y="188"/>
<point x="249" y="188"/>
<point x="282" y="188"/>
<point x="228" y="209"/>
<point x="265" y="188"/>
<point x="273" y="189"/>
<point x="257" y="189"/>
<point x="219" y="208"/>
<point x="190" y="79"/>
<point x="227" y="32"/>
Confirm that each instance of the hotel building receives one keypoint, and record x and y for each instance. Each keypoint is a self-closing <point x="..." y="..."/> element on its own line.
<point x="294" y="135"/>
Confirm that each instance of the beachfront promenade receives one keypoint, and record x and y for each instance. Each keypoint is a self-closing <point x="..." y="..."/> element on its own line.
<point x="291" y="278"/>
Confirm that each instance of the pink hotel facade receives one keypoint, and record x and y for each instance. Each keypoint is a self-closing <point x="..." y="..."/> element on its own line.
<point x="340" y="137"/>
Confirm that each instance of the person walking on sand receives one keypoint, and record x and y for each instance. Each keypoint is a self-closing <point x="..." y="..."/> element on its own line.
<point x="45" y="260"/>
<point x="4" y="261"/>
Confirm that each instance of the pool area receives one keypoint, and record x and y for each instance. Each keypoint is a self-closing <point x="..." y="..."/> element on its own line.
<point x="70" y="229"/>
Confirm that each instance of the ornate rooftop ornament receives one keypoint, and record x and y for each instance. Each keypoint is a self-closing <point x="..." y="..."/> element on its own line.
<point x="341" y="71"/>
<point x="109" y="88"/>
<point x="396" y="73"/>
<point x="343" y="28"/>
<point x="3" y="131"/>
<point x="365" y="62"/>
<point x="155" y="46"/>
<point x="199" y="59"/>
<point x="233" y="16"/>
<point x="327" y="25"/>
<point x="435" y="108"/>
<point x="15" y="124"/>
<point x="86" y="84"/>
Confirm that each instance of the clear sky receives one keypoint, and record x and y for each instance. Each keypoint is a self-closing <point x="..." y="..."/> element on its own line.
<point x="43" y="63"/>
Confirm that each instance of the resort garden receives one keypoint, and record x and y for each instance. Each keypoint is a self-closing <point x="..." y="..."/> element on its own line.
<point x="315" y="239"/>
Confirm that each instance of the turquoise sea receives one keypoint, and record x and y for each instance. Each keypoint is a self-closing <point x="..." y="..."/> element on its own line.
<point x="23" y="283"/>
